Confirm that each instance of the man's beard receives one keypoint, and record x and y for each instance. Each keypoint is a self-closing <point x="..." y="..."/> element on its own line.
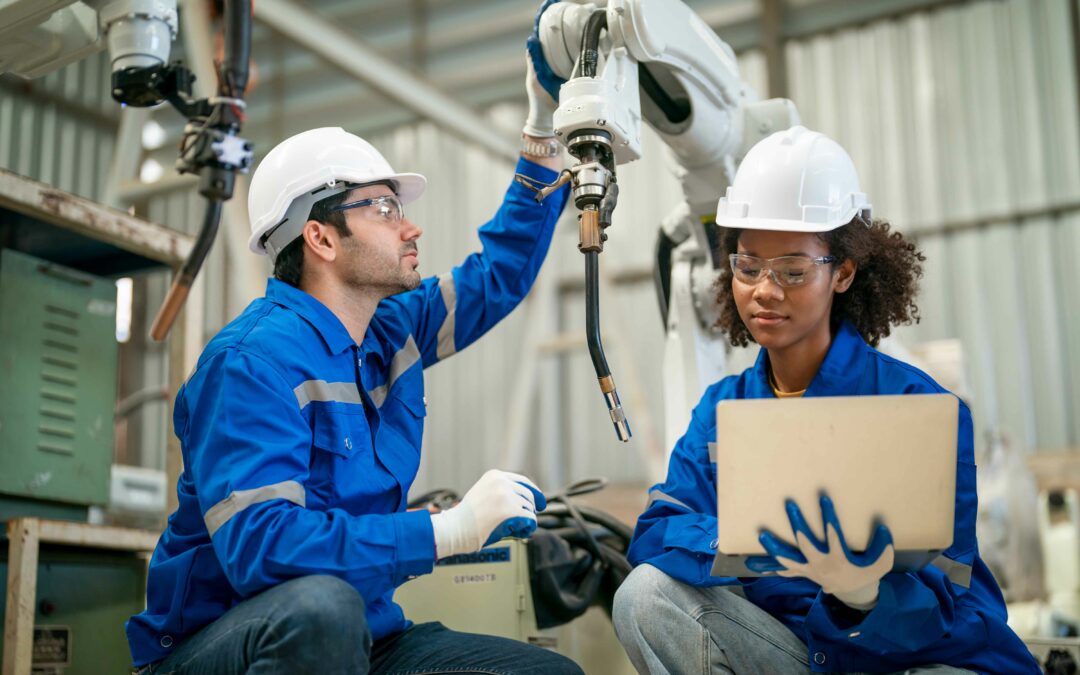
<point x="368" y="270"/>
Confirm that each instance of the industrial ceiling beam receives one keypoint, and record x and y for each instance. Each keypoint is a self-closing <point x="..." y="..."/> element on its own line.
<point x="351" y="56"/>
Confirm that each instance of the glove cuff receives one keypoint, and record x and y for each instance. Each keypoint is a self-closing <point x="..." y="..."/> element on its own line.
<point x="455" y="532"/>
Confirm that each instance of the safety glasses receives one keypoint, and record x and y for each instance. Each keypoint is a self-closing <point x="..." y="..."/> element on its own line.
<point x="787" y="271"/>
<point x="386" y="209"/>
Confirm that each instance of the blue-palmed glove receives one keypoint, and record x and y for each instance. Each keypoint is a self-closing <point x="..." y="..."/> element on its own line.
<point x="852" y="578"/>
<point x="500" y="504"/>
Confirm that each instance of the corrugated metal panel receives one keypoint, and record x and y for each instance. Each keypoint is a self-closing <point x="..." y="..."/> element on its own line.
<point x="967" y="116"/>
<point x="62" y="131"/>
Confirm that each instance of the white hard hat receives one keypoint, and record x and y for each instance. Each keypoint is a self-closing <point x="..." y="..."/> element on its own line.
<point x="307" y="168"/>
<point x="795" y="180"/>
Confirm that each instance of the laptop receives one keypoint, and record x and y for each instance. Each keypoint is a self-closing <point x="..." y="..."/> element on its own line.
<point x="891" y="458"/>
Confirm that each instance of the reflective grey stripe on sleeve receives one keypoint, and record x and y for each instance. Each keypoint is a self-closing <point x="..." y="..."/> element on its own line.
<point x="220" y="513"/>
<point x="446" y="346"/>
<point x="405" y="358"/>
<point x="958" y="572"/>
<point x="712" y="452"/>
<point x="658" y="496"/>
<point x="321" y="390"/>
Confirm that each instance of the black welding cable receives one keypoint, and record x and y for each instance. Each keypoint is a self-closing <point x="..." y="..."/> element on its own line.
<point x="590" y="42"/>
<point x="178" y="292"/>
<point x="234" y="72"/>
<point x="205" y="240"/>
<point x="592" y="314"/>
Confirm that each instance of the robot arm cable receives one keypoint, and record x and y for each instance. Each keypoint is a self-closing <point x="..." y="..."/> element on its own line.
<point x="590" y="43"/>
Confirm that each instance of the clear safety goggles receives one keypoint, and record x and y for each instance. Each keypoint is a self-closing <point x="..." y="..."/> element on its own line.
<point x="787" y="271"/>
<point x="385" y="209"/>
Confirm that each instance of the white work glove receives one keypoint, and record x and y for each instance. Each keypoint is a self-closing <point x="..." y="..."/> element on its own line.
<point x="541" y="106"/>
<point x="849" y="577"/>
<point x="500" y="504"/>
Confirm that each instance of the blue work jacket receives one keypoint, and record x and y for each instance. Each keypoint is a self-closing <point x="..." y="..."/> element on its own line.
<point x="300" y="445"/>
<point x="950" y="612"/>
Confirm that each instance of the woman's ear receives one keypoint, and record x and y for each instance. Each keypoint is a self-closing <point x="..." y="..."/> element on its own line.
<point x="844" y="275"/>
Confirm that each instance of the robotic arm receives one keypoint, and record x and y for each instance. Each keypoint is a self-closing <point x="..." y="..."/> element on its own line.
<point x="609" y="68"/>
<point x="38" y="36"/>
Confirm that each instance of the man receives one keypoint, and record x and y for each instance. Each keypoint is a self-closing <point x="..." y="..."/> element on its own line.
<point x="301" y="429"/>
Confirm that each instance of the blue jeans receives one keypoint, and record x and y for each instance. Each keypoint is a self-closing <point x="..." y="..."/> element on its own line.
<point x="316" y="625"/>
<point x="667" y="626"/>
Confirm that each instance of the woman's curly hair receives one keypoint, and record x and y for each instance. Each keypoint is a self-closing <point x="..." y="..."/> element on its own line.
<point x="881" y="296"/>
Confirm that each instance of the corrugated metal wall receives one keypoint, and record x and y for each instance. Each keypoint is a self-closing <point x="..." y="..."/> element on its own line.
<point x="60" y="129"/>
<point x="963" y="123"/>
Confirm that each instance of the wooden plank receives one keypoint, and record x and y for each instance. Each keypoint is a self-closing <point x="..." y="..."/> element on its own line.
<point x="91" y="219"/>
<point x="96" y="536"/>
<point x="21" y="591"/>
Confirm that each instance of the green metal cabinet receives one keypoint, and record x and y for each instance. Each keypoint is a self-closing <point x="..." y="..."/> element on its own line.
<point x="57" y="386"/>
<point x="84" y="596"/>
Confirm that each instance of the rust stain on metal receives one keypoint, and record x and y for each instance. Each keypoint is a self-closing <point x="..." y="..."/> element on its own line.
<point x="69" y="207"/>
<point x="115" y="226"/>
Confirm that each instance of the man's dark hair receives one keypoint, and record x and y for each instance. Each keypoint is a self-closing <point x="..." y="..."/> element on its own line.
<point x="289" y="265"/>
<point x="881" y="296"/>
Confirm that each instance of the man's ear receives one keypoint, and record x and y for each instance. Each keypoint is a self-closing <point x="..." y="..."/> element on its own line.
<point x="845" y="276"/>
<point x="319" y="240"/>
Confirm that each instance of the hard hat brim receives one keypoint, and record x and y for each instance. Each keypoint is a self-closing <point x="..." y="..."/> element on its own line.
<point x="410" y="186"/>
<point x="779" y="224"/>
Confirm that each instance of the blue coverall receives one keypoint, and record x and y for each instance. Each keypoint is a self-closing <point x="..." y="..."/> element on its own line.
<point x="950" y="612"/>
<point x="300" y="445"/>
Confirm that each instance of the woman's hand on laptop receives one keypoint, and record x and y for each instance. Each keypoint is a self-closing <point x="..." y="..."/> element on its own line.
<point x="852" y="578"/>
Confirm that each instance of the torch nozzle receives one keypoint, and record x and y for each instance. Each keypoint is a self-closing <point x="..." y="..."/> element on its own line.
<point x="615" y="409"/>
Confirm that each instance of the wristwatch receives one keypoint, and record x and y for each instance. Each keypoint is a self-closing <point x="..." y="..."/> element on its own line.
<point x="534" y="148"/>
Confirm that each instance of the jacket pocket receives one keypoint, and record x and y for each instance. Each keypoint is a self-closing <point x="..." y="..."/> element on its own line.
<point x="412" y="402"/>
<point x="337" y="431"/>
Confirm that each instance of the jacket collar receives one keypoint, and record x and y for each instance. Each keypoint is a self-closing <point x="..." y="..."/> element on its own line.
<point x="840" y="372"/>
<point x="325" y="322"/>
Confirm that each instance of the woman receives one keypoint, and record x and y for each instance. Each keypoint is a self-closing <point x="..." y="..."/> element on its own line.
<point x="817" y="284"/>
